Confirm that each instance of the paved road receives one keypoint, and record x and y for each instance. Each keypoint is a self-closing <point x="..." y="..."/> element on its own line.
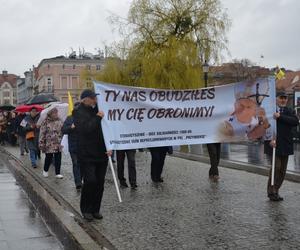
<point x="252" y="153"/>
<point x="187" y="211"/>
<point x="21" y="227"/>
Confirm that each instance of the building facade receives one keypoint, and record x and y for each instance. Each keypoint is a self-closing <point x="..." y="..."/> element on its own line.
<point x="8" y="88"/>
<point x="236" y="72"/>
<point x="61" y="74"/>
<point x="25" y="87"/>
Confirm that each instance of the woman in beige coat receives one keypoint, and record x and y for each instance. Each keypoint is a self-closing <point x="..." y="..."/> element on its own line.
<point x="50" y="142"/>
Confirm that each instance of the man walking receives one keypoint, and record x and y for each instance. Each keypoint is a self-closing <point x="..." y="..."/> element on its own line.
<point x="131" y="167"/>
<point x="158" y="156"/>
<point x="285" y="120"/>
<point x="32" y="135"/>
<point x="21" y="134"/>
<point x="214" y="152"/>
<point x="70" y="130"/>
<point x="92" y="155"/>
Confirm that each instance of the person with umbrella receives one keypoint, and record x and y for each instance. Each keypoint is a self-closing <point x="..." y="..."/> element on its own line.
<point x="32" y="134"/>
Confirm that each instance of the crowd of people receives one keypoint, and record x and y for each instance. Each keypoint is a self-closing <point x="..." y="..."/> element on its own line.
<point x="90" y="156"/>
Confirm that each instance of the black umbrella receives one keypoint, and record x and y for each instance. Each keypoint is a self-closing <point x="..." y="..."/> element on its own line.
<point x="7" y="107"/>
<point x="42" y="98"/>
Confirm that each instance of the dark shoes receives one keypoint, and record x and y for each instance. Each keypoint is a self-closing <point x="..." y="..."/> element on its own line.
<point x="78" y="187"/>
<point x="275" y="197"/>
<point x="88" y="217"/>
<point x="34" y="166"/>
<point x="98" y="216"/>
<point x="133" y="186"/>
<point x="214" y="178"/>
<point x="123" y="184"/>
<point x="159" y="180"/>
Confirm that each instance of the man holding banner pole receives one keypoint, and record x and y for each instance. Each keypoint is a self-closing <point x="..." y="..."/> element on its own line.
<point x="286" y="120"/>
<point x="92" y="154"/>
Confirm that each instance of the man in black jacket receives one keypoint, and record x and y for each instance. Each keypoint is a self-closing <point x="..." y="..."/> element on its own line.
<point x="214" y="152"/>
<point x="285" y="120"/>
<point x="21" y="134"/>
<point x="92" y="154"/>
<point x="70" y="130"/>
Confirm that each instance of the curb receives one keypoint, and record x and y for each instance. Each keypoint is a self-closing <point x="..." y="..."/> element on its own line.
<point x="256" y="169"/>
<point x="62" y="219"/>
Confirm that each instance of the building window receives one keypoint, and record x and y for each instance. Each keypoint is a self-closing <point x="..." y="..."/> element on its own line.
<point x="63" y="66"/>
<point x="6" y="94"/>
<point x="48" y="66"/>
<point x="6" y="102"/>
<point x="98" y="67"/>
<point x="49" y="84"/>
<point x="64" y="82"/>
<point x="74" y="66"/>
<point x="6" y="86"/>
<point x="88" y="67"/>
<point x="74" y="83"/>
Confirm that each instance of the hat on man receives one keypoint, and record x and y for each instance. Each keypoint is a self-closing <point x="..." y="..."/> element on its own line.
<point x="281" y="93"/>
<point x="88" y="93"/>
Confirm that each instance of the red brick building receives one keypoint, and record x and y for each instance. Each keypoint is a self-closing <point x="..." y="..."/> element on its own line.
<point x="8" y="88"/>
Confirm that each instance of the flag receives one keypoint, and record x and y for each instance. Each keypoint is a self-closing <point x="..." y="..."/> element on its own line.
<point x="71" y="106"/>
<point x="279" y="74"/>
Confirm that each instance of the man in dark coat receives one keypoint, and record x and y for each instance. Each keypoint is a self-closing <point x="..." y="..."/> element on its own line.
<point x="92" y="154"/>
<point x="214" y="152"/>
<point x="131" y="167"/>
<point x="158" y="156"/>
<point x="32" y="142"/>
<point x="285" y="120"/>
<point x="21" y="133"/>
<point x="70" y="130"/>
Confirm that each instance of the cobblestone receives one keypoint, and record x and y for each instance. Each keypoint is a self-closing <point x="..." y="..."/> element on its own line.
<point x="188" y="211"/>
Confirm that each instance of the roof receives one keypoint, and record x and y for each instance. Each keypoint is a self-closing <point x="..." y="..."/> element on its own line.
<point x="63" y="59"/>
<point x="10" y="78"/>
<point x="290" y="82"/>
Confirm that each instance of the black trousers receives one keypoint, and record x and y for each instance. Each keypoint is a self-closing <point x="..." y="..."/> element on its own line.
<point x="157" y="162"/>
<point x="279" y="174"/>
<point x="57" y="162"/>
<point x="131" y="165"/>
<point x="214" y="152"/>
<point x="93" y="174"/>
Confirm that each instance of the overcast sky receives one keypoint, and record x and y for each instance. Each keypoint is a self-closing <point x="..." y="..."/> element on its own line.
<point x="31" y="30"/>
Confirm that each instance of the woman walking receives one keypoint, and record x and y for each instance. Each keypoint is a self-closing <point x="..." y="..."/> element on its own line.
<point x="50" y="142"/>
<point x="32" y="134"/>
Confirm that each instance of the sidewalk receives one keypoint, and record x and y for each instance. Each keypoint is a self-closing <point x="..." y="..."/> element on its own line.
<point x="187" y="211"/>
<point x="21" y="227"/>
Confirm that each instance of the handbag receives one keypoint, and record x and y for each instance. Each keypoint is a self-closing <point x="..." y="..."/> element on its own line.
<point x="29" y="135"/>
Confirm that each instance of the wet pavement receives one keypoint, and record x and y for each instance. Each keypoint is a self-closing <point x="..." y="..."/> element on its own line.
<point x="252" y="153"/>
<point x="21" y="227"/>
<point x="188" y="211"/>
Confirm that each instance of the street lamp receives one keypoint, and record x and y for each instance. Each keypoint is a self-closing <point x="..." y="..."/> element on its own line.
<point x="205" y="68"/>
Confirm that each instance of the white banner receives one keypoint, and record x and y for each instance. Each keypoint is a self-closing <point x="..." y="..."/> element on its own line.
<point x="141" y="117"/>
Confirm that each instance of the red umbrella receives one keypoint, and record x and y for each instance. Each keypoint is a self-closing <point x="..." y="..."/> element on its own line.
<point x="27" y="108"/>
